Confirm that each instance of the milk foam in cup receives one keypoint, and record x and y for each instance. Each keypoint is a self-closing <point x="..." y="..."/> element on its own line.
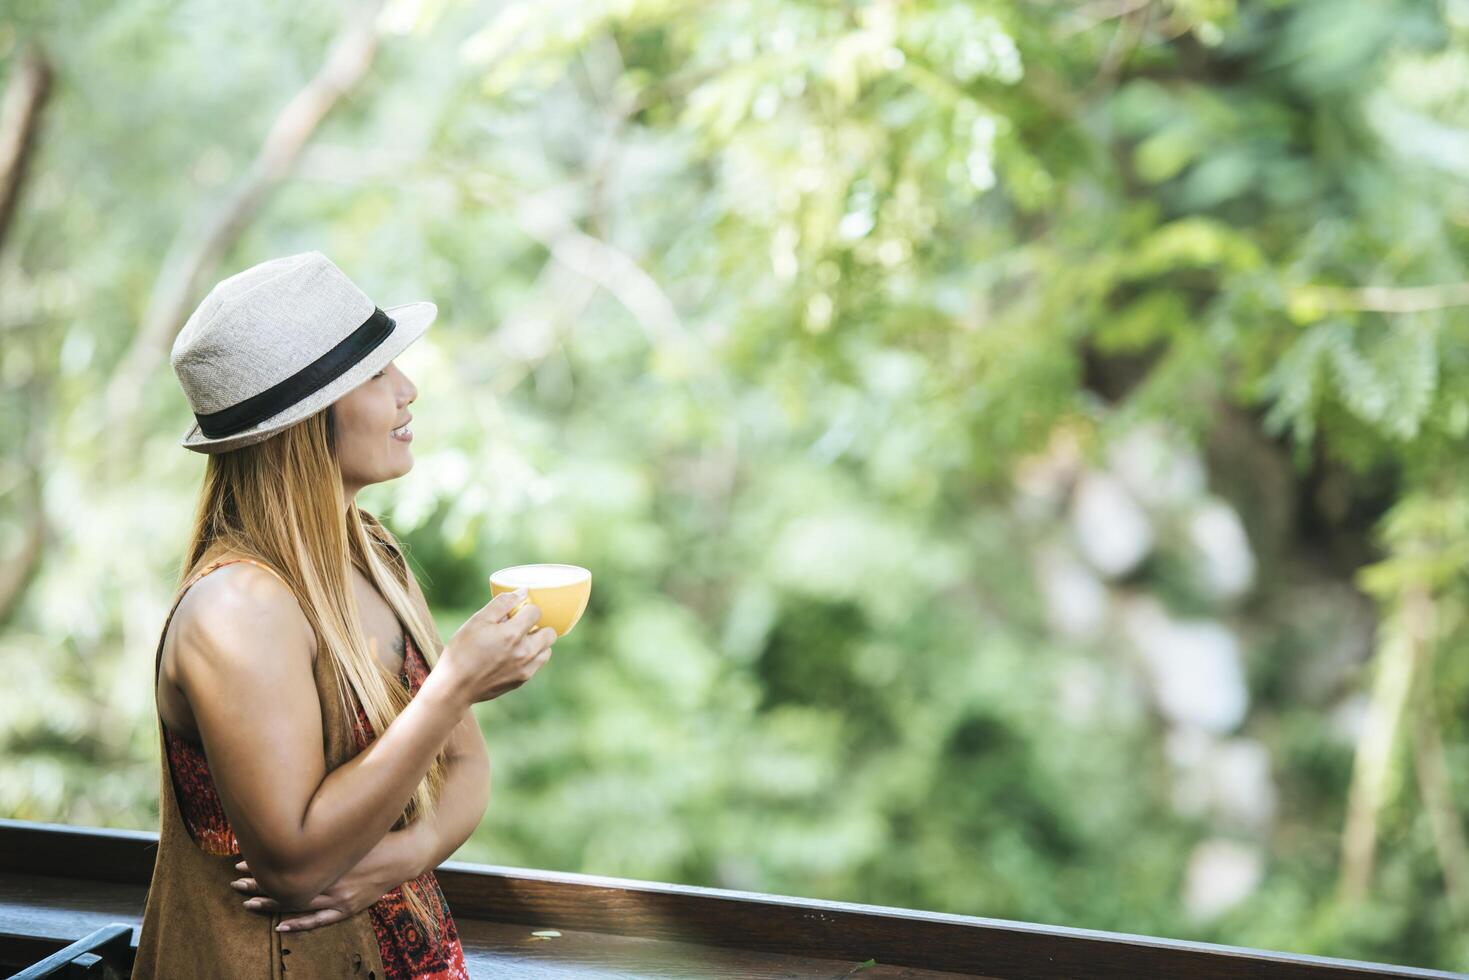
<point x="561" y="592"/>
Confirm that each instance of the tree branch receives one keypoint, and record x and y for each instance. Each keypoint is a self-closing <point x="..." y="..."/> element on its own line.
<point x="1408" y="636"/>
<point x="25" y="97"/>
<point x="1385" y="299"/>
<point x="1097" y="12"/>
<point x="18" y="569"/>
<point x="1438" y="799"/>
<point x="190" y="257"/>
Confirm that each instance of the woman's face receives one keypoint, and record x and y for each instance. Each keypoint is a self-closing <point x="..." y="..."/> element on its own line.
<point x="365" y="419"/>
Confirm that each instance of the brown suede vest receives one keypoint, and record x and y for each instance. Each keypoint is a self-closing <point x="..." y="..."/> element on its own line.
<point x="194" y="923"/>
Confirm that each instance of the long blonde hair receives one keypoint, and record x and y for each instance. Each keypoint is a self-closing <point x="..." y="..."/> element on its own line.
<point x="281" y="502"/>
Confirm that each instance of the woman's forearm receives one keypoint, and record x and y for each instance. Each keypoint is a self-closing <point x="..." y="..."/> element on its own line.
<point x="358" y="802"/>
<point x="428" y="841"/>
<point x="466" y="794"/>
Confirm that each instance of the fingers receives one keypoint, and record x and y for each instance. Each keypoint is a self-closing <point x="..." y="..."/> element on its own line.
<point x="248" y="885"/>
<point x="536" y="642"/>
<point x="264" y="903"/>
<point x="539" y="654"/>
<point x="503" y="604"/>
<point x="530" y="654"/>
<point x="526" y="617"/>
<point x="323" y="918"/>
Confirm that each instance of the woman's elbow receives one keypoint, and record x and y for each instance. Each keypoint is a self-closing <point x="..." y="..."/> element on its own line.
<point x="291" y="890"/>
<point x="290" y="883"/>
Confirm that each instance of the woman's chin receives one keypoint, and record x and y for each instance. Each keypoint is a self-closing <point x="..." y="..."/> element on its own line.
<point x="400" y="462"/>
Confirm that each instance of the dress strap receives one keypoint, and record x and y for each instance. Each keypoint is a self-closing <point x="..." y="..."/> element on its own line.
<point x="230" y="561"/>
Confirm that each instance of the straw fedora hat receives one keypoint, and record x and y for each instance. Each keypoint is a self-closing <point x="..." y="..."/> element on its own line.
<point x="281" y="340"/>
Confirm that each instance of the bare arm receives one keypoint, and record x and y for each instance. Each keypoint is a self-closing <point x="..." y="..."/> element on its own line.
<point x="436" y="838"/>
<point x="245" y="666"/>
<point x="467" y="789"/>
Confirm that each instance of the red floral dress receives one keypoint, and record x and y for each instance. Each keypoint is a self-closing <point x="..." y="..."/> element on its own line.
<point x="407" y="953"/>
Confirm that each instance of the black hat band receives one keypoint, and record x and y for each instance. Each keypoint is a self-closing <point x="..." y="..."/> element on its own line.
<point x="319" y="373"/>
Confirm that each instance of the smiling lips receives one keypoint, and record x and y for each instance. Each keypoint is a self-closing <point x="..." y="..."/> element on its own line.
<point x="403" y="433"/>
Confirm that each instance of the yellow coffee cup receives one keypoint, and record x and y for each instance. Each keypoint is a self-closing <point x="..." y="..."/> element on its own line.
<point x="560" y="591"/>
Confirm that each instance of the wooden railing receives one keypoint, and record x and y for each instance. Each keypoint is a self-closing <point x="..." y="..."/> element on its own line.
<point x="59" y="884"/>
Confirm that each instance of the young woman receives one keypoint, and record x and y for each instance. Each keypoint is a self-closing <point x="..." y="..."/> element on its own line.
<point x="318" y="752"/>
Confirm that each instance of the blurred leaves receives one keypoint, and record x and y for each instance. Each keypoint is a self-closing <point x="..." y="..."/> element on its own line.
<point x="754" y="310"/>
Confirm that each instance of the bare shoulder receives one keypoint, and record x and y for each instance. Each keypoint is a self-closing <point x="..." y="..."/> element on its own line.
<point x="242" y="604"/>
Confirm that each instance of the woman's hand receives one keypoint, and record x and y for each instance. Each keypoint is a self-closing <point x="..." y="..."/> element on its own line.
<point x="494" y="652"/>
<point x="392" y="861"/>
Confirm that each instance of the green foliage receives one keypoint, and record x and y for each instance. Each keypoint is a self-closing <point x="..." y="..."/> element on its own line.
<point x="821" y="278"/>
